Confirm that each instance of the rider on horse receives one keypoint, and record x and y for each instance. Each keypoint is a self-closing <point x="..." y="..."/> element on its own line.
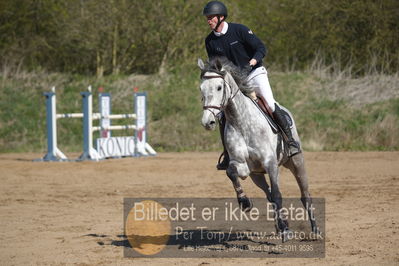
<point x="238" y="44"/>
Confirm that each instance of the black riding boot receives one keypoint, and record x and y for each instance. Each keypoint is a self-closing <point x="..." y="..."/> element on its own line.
<point x="281" y="120"/>
<point x="222" y="165"/>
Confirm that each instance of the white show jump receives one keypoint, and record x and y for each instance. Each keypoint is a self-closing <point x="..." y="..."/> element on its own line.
<point x="106" y="146"/>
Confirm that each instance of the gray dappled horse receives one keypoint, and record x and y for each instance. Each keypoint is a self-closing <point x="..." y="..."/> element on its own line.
<point x="253" y="147"/>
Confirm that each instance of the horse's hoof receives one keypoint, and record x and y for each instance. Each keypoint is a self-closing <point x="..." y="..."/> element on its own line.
<point x="286" y="235"/>
<point x="245" y="204"/>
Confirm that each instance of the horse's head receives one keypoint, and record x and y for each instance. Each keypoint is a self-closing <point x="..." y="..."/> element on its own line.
<point x="214" y="93"/>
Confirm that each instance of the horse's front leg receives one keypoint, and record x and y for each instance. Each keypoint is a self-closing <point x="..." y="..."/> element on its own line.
<point x="234" y="171"/>
<point x="238" y="167"/>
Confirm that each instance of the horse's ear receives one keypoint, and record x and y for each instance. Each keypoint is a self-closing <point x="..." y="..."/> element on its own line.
<point x="201" y="64"/>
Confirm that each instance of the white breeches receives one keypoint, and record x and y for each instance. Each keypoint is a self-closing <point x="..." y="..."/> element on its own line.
<point x="260" y="82"/>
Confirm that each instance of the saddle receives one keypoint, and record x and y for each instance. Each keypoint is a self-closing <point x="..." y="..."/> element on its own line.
<point x="267" y="114"/>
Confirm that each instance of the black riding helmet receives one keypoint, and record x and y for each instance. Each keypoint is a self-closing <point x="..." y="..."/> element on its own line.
<point x="215" y="8"/>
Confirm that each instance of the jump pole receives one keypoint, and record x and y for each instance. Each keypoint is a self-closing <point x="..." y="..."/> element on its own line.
<point x="141" y="147"/>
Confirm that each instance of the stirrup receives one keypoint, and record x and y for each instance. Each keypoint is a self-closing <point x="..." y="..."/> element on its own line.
<point x="222" y="165"/>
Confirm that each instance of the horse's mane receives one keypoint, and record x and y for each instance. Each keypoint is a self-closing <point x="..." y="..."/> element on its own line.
<point x="220" y="65"/>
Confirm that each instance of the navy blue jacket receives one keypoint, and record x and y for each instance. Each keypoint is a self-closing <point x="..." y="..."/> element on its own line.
<point x="239" y="45"/>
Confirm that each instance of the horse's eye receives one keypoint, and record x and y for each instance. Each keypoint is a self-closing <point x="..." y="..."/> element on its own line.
<point x="219" y="88"/>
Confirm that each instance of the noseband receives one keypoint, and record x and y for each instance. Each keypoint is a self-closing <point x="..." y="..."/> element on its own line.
<point x="223" y="102"/>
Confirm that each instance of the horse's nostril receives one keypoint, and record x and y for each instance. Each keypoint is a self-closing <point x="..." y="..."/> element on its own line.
<point x="212" y="123"/>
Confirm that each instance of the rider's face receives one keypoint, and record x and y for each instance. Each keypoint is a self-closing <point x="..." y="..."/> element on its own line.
<point x="213" y="21"/>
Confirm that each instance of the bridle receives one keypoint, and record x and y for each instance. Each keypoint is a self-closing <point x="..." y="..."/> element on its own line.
<point x="224" y="99"/>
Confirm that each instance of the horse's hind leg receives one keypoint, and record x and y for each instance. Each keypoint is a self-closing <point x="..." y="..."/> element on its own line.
<point x="277" y="201"/>
<point x="234" y="171"/>
<point x="297" y="166"/>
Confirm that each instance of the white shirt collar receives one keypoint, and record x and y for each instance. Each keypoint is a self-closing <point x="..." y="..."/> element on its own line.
<point x="224" y="29"/>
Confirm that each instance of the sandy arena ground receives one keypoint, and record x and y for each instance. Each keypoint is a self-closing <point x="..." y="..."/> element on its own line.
<point x="72" y="213"/>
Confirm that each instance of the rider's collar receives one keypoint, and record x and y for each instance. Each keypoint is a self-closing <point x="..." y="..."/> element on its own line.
<point x="224" y="30"/>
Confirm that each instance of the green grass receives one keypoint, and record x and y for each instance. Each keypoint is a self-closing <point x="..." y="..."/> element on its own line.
<point x="324" y="122"/>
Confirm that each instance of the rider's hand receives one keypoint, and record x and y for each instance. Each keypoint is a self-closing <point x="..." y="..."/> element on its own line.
<point x="253" y="62"/>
